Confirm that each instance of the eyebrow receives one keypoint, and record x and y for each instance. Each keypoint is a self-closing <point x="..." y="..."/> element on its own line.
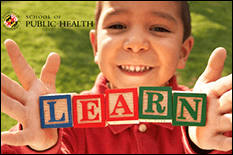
<point x="112" y="12"/>
<point x="165" y="16"/>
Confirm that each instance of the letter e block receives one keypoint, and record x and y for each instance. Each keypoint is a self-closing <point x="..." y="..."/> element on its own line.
<point x="122" y="106"/>
<point x="155" y="104"/>
<point x="89" y="111"/>
<point x="189" y="109"/>
<point x="56" y="111"/>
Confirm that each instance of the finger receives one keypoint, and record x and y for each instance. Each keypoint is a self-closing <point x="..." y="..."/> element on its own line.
<point x="18" y="138"/>
<point x="215" y="66"/>
<point x="22" y="69"/>
<point x="12" y="108"/>
<point x="223" y="143"/>
<point x="224" y="123"/>
<point x="225" y="102"/>
<point x="12" y="89"/>
<point x="49" y="71"/>
<point x="222" y="85"/>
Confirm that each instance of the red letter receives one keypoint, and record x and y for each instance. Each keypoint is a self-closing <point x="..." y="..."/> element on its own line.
<point x="124" y="105"/>
<point x="85" y="110"/>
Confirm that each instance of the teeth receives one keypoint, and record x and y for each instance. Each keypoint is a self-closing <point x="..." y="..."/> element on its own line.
<point x="138" y="69"/>
<point x="142" y="69"/>
<point x="135" y="68"/>
<point x="131" y="68"/>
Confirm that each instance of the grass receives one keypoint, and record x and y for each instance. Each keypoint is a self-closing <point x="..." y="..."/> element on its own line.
<point x="211" y="28"/>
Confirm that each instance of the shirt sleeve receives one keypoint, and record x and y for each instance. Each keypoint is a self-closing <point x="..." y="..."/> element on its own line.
<point x="8" y="149"/>
<point x="70" y="140"/>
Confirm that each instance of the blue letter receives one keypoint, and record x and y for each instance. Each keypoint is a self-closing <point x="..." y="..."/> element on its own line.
<point x="52" y="113"/>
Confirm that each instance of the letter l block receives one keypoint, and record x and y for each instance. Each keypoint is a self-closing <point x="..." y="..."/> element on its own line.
<point x="56" y="111"/>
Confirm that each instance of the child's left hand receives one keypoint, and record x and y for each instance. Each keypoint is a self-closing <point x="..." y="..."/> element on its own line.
<point x="219" y="106"/>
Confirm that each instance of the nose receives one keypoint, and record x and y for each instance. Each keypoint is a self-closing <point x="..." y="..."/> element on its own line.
<point x="136" y="41"/>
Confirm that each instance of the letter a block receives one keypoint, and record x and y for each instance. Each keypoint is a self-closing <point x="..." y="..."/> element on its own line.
<point x="122" y="106"/>
<point x="155" y="104"/>
<point x="89" y="111"/>
<point x="56" y="111"/>
<point x="189" y="109"/>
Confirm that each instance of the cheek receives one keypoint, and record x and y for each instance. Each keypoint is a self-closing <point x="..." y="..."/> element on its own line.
<point x="105" y="54"/>
<point x="109" y="46"/>
<point x="169" y="54"/>
<point x="104" y="42"/>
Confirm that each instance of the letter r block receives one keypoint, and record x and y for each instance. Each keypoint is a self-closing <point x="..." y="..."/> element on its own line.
<point x="89" y="111"/>
<point x="155" y="104"/>
<point x="122" y="106"/>
<point x="189" y="109"/>
<point x="56" y="111"/>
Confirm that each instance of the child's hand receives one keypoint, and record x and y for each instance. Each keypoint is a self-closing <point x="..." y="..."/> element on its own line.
<point x="22" y="103"/>
<point x="219" y="105"/>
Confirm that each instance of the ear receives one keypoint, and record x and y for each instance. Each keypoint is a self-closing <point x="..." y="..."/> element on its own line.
<point x="93" y="39"/>
<point x="185" y="51"/>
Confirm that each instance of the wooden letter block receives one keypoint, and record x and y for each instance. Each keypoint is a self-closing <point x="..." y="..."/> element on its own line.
<point x="56" y="111"/>
<point x="89" y="111"/>
<point x="189" y="109"/>
<point x="155" y="104"/>
<point x="122" y="106"/>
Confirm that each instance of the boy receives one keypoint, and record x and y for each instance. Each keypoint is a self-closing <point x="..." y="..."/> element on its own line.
<point x="135" y="44"/>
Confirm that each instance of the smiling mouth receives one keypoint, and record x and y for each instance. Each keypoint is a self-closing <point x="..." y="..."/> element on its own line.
<point x="135" y="68"/>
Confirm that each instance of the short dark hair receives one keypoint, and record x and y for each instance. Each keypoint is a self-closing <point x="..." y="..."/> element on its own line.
<point x="185" y="16"/>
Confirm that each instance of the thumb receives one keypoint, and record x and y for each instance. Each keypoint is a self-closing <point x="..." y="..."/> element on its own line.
<point x="214" y="67"/>
<point x="49" y="71"/>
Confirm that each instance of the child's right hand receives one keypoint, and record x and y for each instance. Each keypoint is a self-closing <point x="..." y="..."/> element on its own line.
<point x="22" y="103"/>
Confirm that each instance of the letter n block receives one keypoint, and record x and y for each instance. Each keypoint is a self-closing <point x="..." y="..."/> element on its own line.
<point x="189" y="109"/>
<point x="122" y="106"/>
<point x="89" y="111"/>
<point x="56" y="111"/>
<point x="155" y="104"/>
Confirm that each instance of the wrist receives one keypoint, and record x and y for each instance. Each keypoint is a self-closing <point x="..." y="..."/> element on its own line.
<point x="193" y="146"/>
<point x="50" y="142"/>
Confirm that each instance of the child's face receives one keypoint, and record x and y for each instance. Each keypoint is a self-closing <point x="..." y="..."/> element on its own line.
<point x="140" y="43"/>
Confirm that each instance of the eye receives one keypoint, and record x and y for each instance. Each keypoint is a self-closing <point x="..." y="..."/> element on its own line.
<point x="117" y="26"/>
<point x="159" y="29"/>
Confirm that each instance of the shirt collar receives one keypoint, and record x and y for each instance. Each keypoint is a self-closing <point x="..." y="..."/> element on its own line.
<point x="100" y="84"/>
<point x="119" y="128"/>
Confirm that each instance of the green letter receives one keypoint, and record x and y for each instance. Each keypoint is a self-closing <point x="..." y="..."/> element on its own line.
<point x="189" y="108"/>
<point x="150" y="102"/>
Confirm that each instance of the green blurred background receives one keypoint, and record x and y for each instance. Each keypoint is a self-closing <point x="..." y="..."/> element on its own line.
<point x="211" y="28"/>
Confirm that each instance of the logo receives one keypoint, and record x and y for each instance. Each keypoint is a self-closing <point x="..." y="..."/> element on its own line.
<point x="11" y="21"/>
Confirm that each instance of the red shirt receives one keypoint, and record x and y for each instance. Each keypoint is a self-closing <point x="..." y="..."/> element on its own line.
<point x="153" y="138"/>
